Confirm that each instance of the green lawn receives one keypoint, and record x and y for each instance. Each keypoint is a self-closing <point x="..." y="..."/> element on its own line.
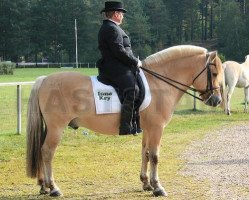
<point x="106" y="167"/>
<point x="31" y="74"/>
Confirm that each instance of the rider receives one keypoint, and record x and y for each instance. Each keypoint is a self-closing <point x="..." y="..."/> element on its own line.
<point x="118" y="65"/>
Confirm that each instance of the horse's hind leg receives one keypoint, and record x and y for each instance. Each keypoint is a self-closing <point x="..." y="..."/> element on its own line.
<point x="48" y="149"/>
<point x="41" y="182"/>
<point x="246" y="91"/>
<point x="144" y="168"/>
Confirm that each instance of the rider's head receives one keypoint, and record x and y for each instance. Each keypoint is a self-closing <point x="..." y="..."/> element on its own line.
<point x="114" y="10"/>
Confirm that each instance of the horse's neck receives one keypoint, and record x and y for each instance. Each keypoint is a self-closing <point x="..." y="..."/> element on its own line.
<point x="246" y="63"/>
<point x="170" y="94"/>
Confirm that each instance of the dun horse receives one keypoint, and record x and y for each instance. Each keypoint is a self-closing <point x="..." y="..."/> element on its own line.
<point x="58" y="99"/>
<point x="236" y="75"/>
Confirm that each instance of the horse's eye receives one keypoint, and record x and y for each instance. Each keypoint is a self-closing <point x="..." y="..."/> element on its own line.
<point x="215" y="74"/>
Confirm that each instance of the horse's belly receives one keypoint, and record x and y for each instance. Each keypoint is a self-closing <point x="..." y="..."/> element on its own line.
<point x="242" y="82"/>
<point x="106" y="123"/>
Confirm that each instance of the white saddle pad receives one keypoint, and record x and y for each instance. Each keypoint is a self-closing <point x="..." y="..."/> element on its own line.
<point x="106" y="98"/>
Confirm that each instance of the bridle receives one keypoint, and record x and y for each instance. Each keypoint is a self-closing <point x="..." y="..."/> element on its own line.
<point x="209" y="89"/>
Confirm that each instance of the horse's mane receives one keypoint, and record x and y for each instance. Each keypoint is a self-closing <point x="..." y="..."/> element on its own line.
<point x="172" y="53"/>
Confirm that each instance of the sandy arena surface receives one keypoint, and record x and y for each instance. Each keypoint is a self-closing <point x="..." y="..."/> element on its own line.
<point x="221" y="159"/>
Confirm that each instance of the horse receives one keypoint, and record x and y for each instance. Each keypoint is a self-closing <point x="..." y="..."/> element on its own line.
<point x="236" y="75"/>
<point x="61" y="98"/>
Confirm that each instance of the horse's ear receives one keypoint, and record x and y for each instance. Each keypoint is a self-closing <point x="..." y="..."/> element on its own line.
<point x="213" y="54"/>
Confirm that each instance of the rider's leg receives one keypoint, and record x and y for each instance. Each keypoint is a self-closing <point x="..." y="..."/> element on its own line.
<point x="128" y="88"/>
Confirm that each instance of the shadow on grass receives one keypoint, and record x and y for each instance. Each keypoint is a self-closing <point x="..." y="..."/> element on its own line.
<point x="116" y="194"/>
<point x="26" y="197"/>
<point x="195" y="112"/>
<point x="121" y="194"/>
<point x="9" y="134"/>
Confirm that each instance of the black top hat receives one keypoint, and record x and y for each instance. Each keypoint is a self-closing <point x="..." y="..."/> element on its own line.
<point x="113" y="6"/>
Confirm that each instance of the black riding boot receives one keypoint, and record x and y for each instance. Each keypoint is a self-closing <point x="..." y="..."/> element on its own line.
<point x="125" y="121"/>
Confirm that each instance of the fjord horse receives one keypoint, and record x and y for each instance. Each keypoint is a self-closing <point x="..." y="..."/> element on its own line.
<point x="236" y="75"/>
<point x="58" y="99"/>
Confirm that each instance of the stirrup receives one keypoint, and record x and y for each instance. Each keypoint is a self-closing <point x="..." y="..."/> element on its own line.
<point x="136" y="130"/>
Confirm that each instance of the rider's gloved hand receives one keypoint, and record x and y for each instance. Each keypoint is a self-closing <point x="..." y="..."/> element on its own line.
<point x="139" y="63"/>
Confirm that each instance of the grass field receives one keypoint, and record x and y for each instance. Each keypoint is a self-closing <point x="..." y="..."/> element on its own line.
<point x="106" y="167"/>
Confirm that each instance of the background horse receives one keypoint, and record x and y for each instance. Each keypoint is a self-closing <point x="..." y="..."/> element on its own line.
<point x="236" y="75"/>
<point x="61" y="98"/>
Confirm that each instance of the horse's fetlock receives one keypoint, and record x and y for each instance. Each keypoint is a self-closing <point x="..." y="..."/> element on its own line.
<point x="154" y="183"/>
<point x="144" y="178"/>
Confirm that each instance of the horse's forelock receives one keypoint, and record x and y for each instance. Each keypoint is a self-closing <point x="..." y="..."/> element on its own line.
<point x="173" y="53"/>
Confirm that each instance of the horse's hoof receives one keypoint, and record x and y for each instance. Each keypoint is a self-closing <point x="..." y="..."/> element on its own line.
<point x="56" y="193"/>
<point x="160" y="192"/>
<point x="147" y="187"/>
<point x="44" y="190"/>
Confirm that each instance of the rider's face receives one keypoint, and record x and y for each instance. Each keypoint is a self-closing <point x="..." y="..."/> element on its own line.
<point x="119" y="15"/>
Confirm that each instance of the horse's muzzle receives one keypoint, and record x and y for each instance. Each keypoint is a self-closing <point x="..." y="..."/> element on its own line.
<point x="213" y="100"/>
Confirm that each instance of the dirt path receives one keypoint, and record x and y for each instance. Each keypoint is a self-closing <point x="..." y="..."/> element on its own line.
<point x="221" y="159"/>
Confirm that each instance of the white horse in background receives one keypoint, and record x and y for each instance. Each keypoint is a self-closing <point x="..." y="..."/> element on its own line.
<point x="236" y="75"/>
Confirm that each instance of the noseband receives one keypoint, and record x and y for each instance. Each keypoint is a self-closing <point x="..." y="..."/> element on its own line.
<point x="209" y="89"/>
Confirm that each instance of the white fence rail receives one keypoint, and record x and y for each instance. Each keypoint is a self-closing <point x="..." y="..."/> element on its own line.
<point x="59" y="65"/>
<point x="18" y="100"/>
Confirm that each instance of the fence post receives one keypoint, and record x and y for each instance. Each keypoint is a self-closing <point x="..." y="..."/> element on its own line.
<point x="19" y="109"/>
<point x="194" y="101"/>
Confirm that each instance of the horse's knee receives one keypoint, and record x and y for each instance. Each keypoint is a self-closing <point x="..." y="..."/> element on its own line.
<point x="153" y="157"/>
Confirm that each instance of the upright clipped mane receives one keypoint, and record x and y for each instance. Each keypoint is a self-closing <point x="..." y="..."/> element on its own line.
<point x="172" y="53"/>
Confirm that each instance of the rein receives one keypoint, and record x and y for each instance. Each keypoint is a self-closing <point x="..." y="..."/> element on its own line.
<point x="174" y="83"/>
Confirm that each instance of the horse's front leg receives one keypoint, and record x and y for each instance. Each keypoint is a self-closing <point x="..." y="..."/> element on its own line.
<point x="144" y="177"/>
<point x="154" y="148"/>
<point x="229" y="95"/>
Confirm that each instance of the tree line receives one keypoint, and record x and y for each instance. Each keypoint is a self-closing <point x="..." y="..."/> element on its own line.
<point x="32" y="30"/>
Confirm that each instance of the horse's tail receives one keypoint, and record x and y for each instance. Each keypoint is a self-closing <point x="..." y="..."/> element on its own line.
<point x="36" y="132"/>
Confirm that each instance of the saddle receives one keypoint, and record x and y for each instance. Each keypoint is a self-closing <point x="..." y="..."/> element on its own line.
<point x="107" y="99"/>
<point x="140" y="84"/>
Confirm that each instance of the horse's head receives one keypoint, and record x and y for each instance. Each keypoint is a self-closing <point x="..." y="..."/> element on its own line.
<point x="209" y="80"/>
